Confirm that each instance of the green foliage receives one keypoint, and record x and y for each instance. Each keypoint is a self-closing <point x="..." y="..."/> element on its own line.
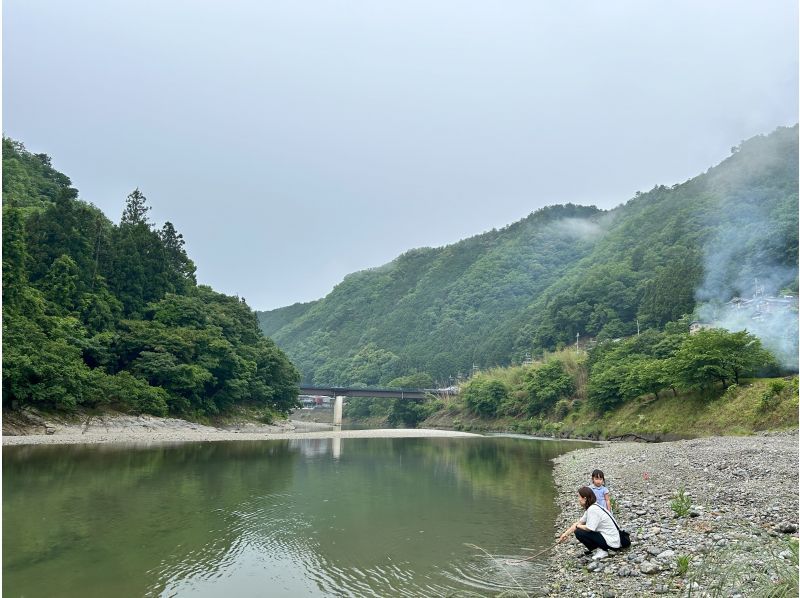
<point x="681" y="503"/>
<point x="417" y="380"/>
<point x="772" y="395"/>
<point x="483" y="396"/>
<point x="615" y="506"/>
<point x="718" y="356"/>
<point x="29" y="180"/>
<point x="682" y="561"/>
<point x="407" y="413"/>
<point x="546" y="385"/>
<point x="70" y="276"/>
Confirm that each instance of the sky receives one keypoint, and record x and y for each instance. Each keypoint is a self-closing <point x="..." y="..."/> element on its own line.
<point x="294" y="142"/>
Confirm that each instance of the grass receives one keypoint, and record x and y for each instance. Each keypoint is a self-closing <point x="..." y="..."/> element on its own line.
<point x="681" y="504"/>
<point x="751" y="406"/>
<point x="738" y="411"/>
<point x="683" y="564"/>
<point x="773" y="575"/>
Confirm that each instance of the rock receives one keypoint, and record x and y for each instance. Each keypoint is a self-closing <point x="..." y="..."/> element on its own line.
<point x="739" y="540"/>
<point x="648" y="568"/>
<point x="49" y="430"/>
<point x="624" y="571"/>
<point x="667" y="554"/>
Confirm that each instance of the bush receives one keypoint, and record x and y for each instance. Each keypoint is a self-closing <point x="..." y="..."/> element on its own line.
<point x="484" y="396"/>
<point x="771" y="396"/>
<point x="546" y="385"/>
<point x="562" y="409"/>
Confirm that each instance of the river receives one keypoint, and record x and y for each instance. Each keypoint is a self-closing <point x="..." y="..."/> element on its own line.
<point x="323" y="517"/>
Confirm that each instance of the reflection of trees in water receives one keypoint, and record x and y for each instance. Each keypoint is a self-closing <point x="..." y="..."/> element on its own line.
<point x="122" y="520"/>
<point x="118" y="520"/>
<point x="514" y="469"/>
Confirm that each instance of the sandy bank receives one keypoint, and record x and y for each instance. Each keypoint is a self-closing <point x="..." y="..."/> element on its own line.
<point x="133" y="429"/>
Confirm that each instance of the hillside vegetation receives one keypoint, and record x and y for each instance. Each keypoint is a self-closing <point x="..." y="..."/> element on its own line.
<point x="562" y="274"/>
<point x="656" y="385"/>
<point x="99" y="313"/>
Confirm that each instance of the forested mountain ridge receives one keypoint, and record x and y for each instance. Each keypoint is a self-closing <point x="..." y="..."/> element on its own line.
<point x="561" y="272"/>
<point x="97" y="313"/>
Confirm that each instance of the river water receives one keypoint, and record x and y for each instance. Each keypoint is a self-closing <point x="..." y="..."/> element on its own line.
<point x="346" y="517"/>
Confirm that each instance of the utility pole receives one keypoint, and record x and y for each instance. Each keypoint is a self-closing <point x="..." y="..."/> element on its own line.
<point x="637" y="326"/>
<point x="577" y="341"/>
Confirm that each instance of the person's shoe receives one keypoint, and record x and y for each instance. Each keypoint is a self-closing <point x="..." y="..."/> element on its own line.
<point x="599" y="554"/>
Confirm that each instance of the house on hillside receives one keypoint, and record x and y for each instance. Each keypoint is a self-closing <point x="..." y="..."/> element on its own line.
<point x="697" y="326"/>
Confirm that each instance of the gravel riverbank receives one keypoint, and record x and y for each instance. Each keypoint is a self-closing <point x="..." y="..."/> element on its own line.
<point x="733" y="540"/>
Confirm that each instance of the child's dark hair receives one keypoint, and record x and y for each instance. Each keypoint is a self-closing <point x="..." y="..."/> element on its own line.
<point x="598" y="474"/>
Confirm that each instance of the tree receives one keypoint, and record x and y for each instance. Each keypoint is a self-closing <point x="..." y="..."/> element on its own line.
<point x="61" y="284"/>
<point x="408" y="412"/>
<point x="15" y="275"/>
<point x="136" y="209"/>
<point x="718" y="356"/>
<point x="179" y="269"/>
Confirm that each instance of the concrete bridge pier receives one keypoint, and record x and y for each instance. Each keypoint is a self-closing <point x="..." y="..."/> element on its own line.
<point x="337" y="411"/>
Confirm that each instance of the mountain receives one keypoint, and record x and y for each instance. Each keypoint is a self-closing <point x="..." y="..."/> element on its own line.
<point x="563" y="273"/>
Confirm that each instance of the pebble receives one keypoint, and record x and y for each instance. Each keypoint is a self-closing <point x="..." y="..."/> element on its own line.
<point x="744" y="504"/>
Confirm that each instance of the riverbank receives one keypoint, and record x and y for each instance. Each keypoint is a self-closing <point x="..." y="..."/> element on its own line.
<point x="36" y="428"/>
<point x="742" y="516"/>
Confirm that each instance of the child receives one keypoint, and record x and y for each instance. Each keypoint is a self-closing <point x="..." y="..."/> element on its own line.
<point x="600" y="490"/>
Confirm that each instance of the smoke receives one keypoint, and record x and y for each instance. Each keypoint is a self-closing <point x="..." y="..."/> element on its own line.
<point x="750" y="254"/>
<point x="777" y="331"/>
<point x="578" y="228"/>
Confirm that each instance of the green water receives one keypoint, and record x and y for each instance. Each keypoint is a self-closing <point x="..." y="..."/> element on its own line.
<point x="353" y="517"/>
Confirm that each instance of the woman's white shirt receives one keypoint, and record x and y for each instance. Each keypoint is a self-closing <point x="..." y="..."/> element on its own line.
<point x="598" y="520"/>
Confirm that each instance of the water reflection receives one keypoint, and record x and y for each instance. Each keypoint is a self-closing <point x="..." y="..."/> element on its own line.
<point x="354" y="517"/>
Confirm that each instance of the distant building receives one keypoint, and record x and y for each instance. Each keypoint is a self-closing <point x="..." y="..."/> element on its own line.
<point x="697" y="326"/>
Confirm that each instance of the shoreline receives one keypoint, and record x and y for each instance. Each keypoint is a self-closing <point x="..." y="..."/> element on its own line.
<point x="124" y="429"/>
<point x="742" y="512"/>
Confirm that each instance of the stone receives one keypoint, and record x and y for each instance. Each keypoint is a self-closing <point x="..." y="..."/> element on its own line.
<point x="648" y="568"/>
<point x="667" y="554"/>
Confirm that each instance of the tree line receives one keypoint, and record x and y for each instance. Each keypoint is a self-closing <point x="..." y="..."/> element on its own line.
<point x="102" y="313"/>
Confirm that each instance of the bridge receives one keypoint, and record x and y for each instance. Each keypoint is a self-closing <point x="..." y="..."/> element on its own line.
<point x="380" y="393"/>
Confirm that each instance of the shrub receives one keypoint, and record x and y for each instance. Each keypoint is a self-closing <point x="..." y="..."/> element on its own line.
<point x="681" y="503"/>
<point x="771" y="396"/>
<point x="546" y="385"/>
<point x="483" y="396"/>
<point x="562" y="409"/>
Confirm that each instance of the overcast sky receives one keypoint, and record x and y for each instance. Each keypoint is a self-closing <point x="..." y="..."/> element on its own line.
<point x="293" y="142"/>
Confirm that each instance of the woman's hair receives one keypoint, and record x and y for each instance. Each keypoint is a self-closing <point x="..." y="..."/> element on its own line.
<point x="588" y="494"/>
<point x="598" y="474"/>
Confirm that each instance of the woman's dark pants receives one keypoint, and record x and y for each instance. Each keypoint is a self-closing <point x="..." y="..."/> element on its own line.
<point x="591" y="540"/>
